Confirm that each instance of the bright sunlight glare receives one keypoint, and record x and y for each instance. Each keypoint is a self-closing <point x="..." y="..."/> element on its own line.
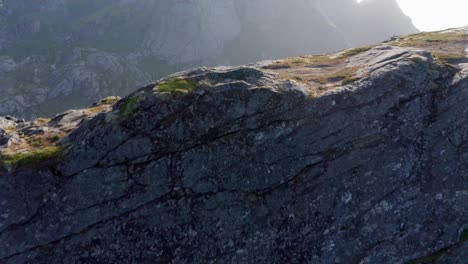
<point x="432" y="15"/>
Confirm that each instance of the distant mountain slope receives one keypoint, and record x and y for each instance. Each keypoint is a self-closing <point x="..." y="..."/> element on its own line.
<point x="67" y="53"/>
<point x="371" y="21"/>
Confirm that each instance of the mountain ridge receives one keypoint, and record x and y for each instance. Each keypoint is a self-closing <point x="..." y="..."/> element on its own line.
<point x="57" y="54"/>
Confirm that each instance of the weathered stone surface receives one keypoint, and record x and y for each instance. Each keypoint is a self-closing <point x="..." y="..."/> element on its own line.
<point x="252" y="167"/>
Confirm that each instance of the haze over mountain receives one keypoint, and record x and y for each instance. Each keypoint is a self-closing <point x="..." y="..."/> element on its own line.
<point x="61" y="54"/>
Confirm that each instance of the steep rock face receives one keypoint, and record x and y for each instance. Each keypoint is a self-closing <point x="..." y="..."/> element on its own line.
<point x="49" y="49"/>
<point x="255" y="165"/>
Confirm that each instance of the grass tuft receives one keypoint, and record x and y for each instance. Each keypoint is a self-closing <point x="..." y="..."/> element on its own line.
<point x="109" y="100"/>
<point x="176" y="85"/>
<point x="10" y="129"/>
<point x="312" y="59"/>
<point x="129" y="106"/>
<point x="355" y="51"/>
<point x="345" y="76"/>
<point x="446" y="57"/>
<point x="31" y="159"/>
<point x="428" y="39"/>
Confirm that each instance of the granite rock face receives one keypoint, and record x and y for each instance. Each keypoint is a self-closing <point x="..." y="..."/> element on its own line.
<point x="250" y="165"/>
<point x="57" y="54"/>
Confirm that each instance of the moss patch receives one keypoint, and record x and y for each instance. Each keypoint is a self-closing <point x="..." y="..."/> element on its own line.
<point x="129" y="106"/>
<point x="33" y="158"/>
<point x="36" y="142"/>
<point x="176" y="85"/>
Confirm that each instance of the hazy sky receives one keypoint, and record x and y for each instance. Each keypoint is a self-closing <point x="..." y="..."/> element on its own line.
<point x="430" y="15"/>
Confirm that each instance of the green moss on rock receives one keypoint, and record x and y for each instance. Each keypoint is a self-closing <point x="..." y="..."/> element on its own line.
<point x="129" y="106"/>
<point x="176" y="85"/>
<point x="31" y="159"/>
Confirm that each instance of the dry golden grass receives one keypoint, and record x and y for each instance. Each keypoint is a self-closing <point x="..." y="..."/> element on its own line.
<point x="97" y="109"/>
<point x="345" y="76"/>
<point x="309" y="60"/>
<point x="354" y="51"/>
<point x="448" y="57"/>
<point x="312" y="60"/>
<point x="426" y="39"/>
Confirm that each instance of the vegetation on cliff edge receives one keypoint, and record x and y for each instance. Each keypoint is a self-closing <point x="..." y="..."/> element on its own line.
<point x="31" y="159"/>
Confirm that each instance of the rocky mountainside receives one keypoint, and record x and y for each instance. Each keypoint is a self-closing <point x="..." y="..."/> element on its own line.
<point x="355" y="157"/>
<point x="57" y="54"/>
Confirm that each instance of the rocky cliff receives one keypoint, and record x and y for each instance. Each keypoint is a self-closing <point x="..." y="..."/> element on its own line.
<point x="56" y="54"/>
<point x="355" y="157"/>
